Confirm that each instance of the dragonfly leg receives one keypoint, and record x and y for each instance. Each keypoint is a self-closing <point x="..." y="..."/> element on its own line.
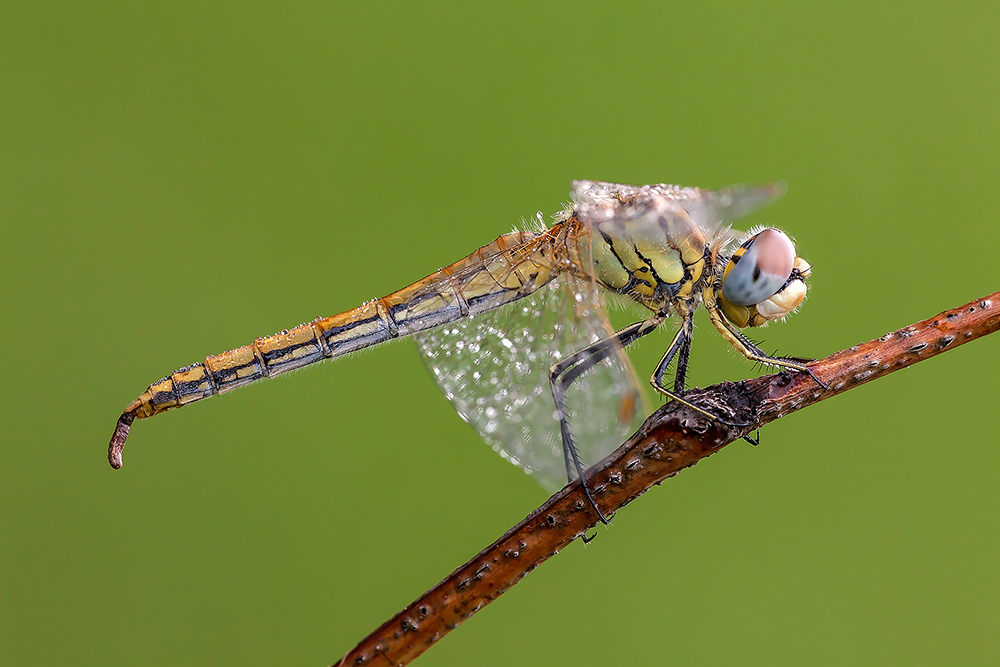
<point x="680" y="348"/>
<point x="564" y="373"/>
<point x="751" y="351"/>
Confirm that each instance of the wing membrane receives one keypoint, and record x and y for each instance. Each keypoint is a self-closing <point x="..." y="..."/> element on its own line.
<point x="494" y="368"/>
<point x="611" y="204"/>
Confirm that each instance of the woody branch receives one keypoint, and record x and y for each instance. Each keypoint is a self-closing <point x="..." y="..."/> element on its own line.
<point x="673" y="438"/>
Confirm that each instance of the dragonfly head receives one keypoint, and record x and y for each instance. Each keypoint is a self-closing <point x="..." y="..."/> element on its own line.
<point x="763" y="280"/>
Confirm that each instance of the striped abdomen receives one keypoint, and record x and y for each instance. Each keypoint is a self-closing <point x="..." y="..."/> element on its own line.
<point x="512" y="266"/>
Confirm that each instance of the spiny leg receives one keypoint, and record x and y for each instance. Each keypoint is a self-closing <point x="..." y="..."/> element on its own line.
<point x="680" y="376"/>
<point x="754" y="353"/>
<point x="564" y="373"/>
<point x="795" y="363"/>
<point x="680" y="347"/>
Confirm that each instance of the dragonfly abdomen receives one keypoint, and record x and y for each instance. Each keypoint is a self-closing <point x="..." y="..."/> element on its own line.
<point x="485" y="279"/>
<point x="265" y="357"/>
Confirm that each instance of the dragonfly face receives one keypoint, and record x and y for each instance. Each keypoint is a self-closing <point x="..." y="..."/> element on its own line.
<point x="763" y="280"/>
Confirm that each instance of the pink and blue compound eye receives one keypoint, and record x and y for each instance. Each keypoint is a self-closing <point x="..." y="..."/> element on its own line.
<point x="759" y="268"/>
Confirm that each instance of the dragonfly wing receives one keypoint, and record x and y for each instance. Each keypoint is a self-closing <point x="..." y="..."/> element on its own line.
<point x="711" y="210"/>
<point x="715" y="207"/>
<point x="494" y="368"/>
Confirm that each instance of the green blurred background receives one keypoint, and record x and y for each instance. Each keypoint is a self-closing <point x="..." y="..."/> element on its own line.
<point x="177" y="180"/>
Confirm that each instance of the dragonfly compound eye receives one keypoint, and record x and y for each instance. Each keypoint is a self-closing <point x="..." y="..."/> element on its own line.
<point x="758" y="269"/>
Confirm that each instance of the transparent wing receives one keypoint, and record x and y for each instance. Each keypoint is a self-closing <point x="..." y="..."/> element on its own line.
<point x="710" y="210"/>
<point x="718" y="207"/>
<point x="494" y="368"/>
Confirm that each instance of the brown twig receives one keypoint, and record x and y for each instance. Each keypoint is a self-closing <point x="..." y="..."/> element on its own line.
<point x="673" y="438"/>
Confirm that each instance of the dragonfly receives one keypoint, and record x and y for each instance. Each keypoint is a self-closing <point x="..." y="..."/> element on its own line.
<point x="516" y="334"/>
